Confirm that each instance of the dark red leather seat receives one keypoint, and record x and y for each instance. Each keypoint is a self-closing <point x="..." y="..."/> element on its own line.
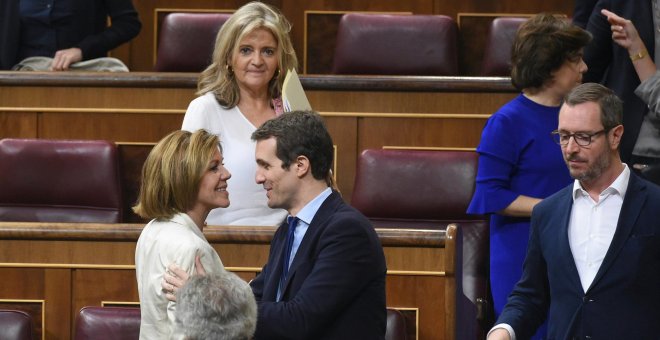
<point x="396" y="325"/>
<point x="15" y="325"/>
<point x="383" y="44"/>
<point x="59" y="181"/>
<point x="497" y="55"/>
<point x="186" y="41"/>
<point x="108" y="323"/>
<point x="429" y="190"/>
<point x="414" y="188"/>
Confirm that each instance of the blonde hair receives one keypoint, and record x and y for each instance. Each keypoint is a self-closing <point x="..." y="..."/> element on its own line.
<point x="218" y="77"/>
<point x="172" y="173"/>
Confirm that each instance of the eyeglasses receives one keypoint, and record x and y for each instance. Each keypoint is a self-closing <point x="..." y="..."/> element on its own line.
<point x="581" y="138"/>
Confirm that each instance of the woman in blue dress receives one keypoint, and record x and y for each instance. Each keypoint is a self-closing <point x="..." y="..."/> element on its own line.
<point x="519" y="163"/>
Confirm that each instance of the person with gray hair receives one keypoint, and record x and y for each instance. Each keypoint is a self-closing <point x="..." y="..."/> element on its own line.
<point x="216" y="306"/>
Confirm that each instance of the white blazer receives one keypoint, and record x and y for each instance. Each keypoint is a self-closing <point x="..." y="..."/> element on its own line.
<point x="161" y="243"/>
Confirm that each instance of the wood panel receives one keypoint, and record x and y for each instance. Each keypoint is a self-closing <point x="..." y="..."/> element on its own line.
<point x="43" y="293"/>
<point x="70" y="266"/>
<point x="120" y="127"/>
<point x="18" y="125"/>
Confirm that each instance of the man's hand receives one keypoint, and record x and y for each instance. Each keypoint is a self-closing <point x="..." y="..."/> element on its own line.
<point x="499" y="334"/>
<point x="64" y="58"/>
<point x="175" y="277"/>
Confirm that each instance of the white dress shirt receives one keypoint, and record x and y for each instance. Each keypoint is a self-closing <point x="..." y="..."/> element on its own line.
<point x="590" y="229"/>
<point x="592" y="226"/>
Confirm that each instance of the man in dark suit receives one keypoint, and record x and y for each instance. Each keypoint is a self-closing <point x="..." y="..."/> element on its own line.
<point x="593" y="261"/>
<point x="334" y="287"/>
<point x="612" y="65"/>
<point x="325" y="275"/>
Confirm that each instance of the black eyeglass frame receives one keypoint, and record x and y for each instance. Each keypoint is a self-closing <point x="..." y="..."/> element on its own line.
<point x="581" y="138"/>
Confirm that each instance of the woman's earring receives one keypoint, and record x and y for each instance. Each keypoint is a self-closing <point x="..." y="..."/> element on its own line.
<point x="229" y="72"/>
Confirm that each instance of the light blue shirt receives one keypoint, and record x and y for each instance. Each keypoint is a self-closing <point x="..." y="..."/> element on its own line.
<point x="305" y="216"/>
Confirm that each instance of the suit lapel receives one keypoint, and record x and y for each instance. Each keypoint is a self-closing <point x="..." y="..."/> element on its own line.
<point x="272" y="284"/>
<point x="325" y="211"/>
<point x="564" y="247"/>
<point x="630" y="210"/>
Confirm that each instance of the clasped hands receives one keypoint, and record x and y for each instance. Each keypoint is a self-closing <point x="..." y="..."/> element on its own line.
<point x="175" y="278"/>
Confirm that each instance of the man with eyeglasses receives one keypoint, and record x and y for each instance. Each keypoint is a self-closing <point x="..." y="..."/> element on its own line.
<point x="593" y="261"/>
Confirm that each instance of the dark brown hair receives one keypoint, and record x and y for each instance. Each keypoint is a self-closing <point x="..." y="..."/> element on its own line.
<point x="542" y="45"/>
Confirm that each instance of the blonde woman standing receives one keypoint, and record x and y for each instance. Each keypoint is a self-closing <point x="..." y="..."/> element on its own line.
<point x="238" y="92"/>
<point x="182" y="180"/>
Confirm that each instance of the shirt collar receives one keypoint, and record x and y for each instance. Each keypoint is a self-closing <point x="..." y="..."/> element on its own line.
<point x="185" y="220"/>
<point x="619" y="186"/>
<point x="307" y="213"/>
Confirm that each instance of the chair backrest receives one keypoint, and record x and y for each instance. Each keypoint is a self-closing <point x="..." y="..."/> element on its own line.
<point x="186" y="41"/>
<point x="108" y="323"/>
<point x="15" y="325"/>
<point x="430" y="189"/>
<point x="59" y="181"/>
<point x="396" y="325"/>
<point x="415" y="188"/>
<point x="497" y="55"/>
<point x="385" y="44"/>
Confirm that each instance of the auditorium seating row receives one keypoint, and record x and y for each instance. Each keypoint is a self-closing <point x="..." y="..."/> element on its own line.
<point x="123" y="323"/>
<point x="79" y="181"/>
<point x="377" y="44"/>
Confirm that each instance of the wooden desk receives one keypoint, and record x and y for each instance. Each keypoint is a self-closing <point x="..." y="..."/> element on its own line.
<point x="361" y="111"/>
<point x="52" y="270"/>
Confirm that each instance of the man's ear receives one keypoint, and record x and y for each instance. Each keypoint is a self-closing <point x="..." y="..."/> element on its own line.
<point x="302" y="166"/>
<point x="615" y="136"/>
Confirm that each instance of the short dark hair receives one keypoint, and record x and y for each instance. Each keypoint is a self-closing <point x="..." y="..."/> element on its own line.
<point x="611" y="107"/>
<point x="300" y="133"/>
<point x="542" y="45"/>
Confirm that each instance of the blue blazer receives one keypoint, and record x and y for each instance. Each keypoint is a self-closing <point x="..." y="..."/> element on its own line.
<point x="336" y="283"/>
<point x="623" y="302"/>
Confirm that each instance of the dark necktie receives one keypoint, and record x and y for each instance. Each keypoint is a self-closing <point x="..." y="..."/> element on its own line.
<point x="293" y="222"/>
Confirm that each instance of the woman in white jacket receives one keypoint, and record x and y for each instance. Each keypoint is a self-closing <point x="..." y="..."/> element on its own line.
<point x="182" y="180"/>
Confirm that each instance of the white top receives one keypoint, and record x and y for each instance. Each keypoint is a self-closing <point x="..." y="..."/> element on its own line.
<point x="161" y="243"/>
<point x="592" y="225"/>
<point x="248" y="201"/>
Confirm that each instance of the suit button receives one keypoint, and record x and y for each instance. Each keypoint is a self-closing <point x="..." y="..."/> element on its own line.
<point x="584" y="298"/>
